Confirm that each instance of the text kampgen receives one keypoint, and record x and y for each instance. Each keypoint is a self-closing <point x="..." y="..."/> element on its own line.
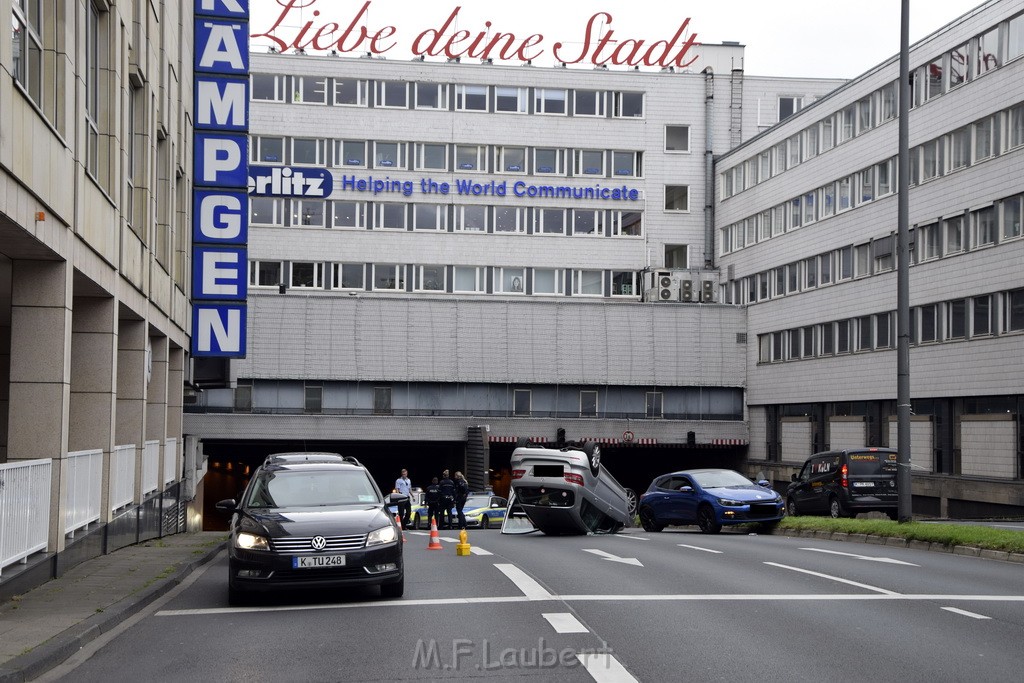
<point x="598" y="45"/>
<point x="388" y="185"/>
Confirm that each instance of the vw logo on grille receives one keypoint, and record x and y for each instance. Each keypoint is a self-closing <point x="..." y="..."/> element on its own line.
<point x="318" y="543"/>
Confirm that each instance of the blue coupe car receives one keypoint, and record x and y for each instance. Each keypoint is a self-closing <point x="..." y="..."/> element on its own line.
<point x="709" y="498"/>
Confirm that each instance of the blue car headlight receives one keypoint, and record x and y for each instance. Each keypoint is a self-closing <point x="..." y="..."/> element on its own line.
<point x="385" y="534"/>
<point x="727" y="502"/>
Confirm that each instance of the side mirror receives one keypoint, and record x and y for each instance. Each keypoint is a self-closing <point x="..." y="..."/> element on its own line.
<point x="765" y="483"/>
<point x="227" y="505"/>
<point x="686" y="489"/>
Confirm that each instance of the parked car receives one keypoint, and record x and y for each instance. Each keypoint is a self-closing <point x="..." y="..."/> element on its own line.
<point x="312" y="524"/>
<point x="484" y="511"/>
<point x="709" y="498"/>
<point x="844" y="483"/>
<point x="569" y="491"/>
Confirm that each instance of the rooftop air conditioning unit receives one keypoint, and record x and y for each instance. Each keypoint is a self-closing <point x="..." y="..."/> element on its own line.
<point x="707" y="291"/>
<point x="666" y="285"/>
<point x="686" y="291"/>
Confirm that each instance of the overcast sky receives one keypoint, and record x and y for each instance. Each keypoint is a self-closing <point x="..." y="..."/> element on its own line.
<point x="807" y="38"/>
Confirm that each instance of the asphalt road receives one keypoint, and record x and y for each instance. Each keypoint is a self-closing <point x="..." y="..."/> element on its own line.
<point x="677" y="605"/>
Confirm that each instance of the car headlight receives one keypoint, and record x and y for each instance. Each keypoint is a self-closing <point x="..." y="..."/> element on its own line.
<point x="730" y="503"/>
<point x="778" y="498"/>
<point x="247" y="541"/>
<point x="385" y="534"/>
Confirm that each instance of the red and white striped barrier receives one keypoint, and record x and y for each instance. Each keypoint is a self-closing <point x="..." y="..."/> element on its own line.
<point x="513" y="439"/>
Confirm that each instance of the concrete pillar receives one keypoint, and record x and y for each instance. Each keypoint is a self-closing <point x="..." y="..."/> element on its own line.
<point x="5" y="352"/>
<point x="41" y="374"/>
<point x="156" y="399"/>
<point x="93" y="383"/>
<point x="130" y="427"/>
<point x="176" y="400"/>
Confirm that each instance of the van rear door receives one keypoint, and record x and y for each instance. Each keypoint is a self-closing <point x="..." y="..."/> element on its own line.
<point x="872" y="473"/>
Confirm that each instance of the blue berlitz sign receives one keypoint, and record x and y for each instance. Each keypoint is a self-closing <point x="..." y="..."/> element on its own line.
<point x="220" y="202"/>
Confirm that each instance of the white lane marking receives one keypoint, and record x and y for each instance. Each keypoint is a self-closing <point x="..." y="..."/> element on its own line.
<point x="524" y="582"/>
<point x="613" y="558"/>
<point x="417" y="533"/>
<point x="563" y="622"/>
<point x="604" y="668"/>
<point x="697" y="547"/>
<point x="697" y="597"/>
<point x="630" y="537"/>
<point x="476" y="550"/>
<point x="869" y="558"/>
<point x="972" y="615"/>
<point x="832" y="578"/>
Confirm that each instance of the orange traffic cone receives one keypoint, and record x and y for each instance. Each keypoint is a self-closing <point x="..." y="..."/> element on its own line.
<point x="398" y="521"/>
<point x="435" y="538"/>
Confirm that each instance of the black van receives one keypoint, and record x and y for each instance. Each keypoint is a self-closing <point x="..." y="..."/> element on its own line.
<point x="844" y="483"/>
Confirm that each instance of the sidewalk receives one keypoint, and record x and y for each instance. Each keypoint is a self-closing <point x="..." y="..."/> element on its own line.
<point x="43" y="627"/>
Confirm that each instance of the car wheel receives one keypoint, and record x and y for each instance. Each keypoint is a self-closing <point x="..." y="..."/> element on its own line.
<point x="485" y="522"/>
<point x="706" y="520"/>
<point x="631" y="502"/>
<point x="393" y="590"/>
<point x="648" y="521"/>
<point x="791" y="508"/>
<point x="835" y="509"/>
<point x="522" y="442"/>
<point x="416" y="522"/>
<point x="593" y="453"/>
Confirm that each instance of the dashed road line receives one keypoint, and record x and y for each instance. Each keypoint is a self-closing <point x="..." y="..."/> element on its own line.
<point x="697" y="547"/>
<point x="869" y="558"/>
<point x="604" y="668"/>
<point x="524" y="582"/>
<point x="833" y="578"/>
<point x="972" y="615"/>
<point x="564" y="622"/>
<point x="477" y="550"/>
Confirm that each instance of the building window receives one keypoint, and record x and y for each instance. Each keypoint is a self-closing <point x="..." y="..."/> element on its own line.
<point x="929" y="328"/>
<point x="350" y="92"/>
<point x="956" y="319"/>
<point x="521" y="403"/>
<point x="864" y="333"/>
<point x="843" y="336"/>
<point x="382" y="400"/>
<point x="959" y="65"/>
<point x="27" y="46"/>
<point x="983" y="227"/>
<point x="428" y="217"/>
<point x="931" y="242"/>
<point x="348" y="276"/>
<point x="845" y="201"/>
<point x="388" y="277"/>
<point x="93" y="50"/>
<point x="548" y="281"/>
<point x="471" y="97"/>
<point x="389" y="216"/>
<point x="547" y="161"/>
<point x="981" y="315"/>
<point x="266" y="211"/>
<point x="266" y="149"/>
<point x="789" y="105"/>
<point x="550" y="101"/>
<point x="825" y="268"/>
<point x="589" y="162"/>
<point x="389" y="155"/>
<point x="588" y="283"/>
<point x="828" y="339"/>
<point x="931" y="163"/>
<point x="777" y="348"/>
<point x="309" y="90"/>
<point x="510" y="280"/>
<point x="587" y="222"/>
<point x="1015" y="37"/>
<point x="509" y="219"/>
<point x="984" y="138"/>
<point x="393" y="94"/>
<point x="677" y="256"/>
<point x="1015" y="119"/>
<point x="314" y="398"/>
<point x="627" y="164"/>
<point x="654" y="402"/>
<point x="588" y="404"/>
<point x="350" y="153"/>
<point x="471" y="218"/>
<point x="430" y="279"/>
<point x="1014" y="313"/>
<point x="828" y="134"/>
<point x="307" y="276"/>
<point x="848" y="123"/>
<point x="882" y="251"/>
<point x="888" y="102"/>
<point x="988" y="51"/>
<point x="624" y="283"/>
<point x="349" y="215"/>
<point x="431" y="157"/>
<point x="589" y="103"/>
<point x="309" y="213"/>
<point x="954" y="229"/>
<point x="627" y="105"/>
<point x="511" y="159"/>
<point x="677" y="198"/>
<point x="471" y="157"/>
<point x="550" y="221"/>
<point x="309" y="151"/>
<point x="510" y="99"/>
<point x="266" y="273"/>
<point x="431" y="96"/>
<point x="883" y="331"/>
<point x="468" y="280"/>
<point x="268" y="87"/>
<point x="677" y="139"/>
<point x="960" y="148"/>
<point x="1013" y="207"/>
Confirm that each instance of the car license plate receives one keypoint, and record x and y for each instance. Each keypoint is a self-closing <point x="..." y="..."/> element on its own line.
<point x="313" y="561"/>
<point x="864" y="484"/>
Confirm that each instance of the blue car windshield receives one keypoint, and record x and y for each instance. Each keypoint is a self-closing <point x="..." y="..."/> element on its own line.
<point x="720" y="479"/>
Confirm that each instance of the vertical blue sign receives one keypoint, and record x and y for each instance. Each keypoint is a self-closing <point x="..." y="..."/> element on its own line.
<point x="220" y="203"/>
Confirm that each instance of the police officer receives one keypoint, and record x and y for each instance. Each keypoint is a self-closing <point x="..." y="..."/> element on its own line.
<point x="446" y="488"/>
<point x="403" y="485"/>
<point x="461" y="494"/>
<point x="433" y="500"/>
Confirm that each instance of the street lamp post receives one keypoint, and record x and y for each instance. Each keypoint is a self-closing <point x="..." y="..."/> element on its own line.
<point x="903" y="479"/>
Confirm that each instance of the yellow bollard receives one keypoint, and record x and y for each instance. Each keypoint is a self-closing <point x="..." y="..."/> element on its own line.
<point x="462" y="547"/>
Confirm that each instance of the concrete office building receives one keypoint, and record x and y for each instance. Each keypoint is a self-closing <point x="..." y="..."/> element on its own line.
<point x="505" y="250"/>
<point x="95" y="107"/>
<point x="806" y="216"/>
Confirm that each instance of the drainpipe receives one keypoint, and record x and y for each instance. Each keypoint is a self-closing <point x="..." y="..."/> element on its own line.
<point x="709" y="169"/>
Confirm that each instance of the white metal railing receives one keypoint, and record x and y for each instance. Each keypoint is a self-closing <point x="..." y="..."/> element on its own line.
<point x="24" y="509"/>
<point x="170" y="460"/>
<point x="84" y="489"/>
<point x="122" y="477"/>
<point x="150" y="466"/>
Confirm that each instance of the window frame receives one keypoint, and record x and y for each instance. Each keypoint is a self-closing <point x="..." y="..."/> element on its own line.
<point x="362" y="88"/>
<point x="397" y="275"/>
<point x="465" y="91"/>
<point x="541" y="99"/>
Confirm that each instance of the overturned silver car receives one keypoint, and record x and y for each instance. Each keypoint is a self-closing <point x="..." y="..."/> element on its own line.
<point x="568" y="491"/>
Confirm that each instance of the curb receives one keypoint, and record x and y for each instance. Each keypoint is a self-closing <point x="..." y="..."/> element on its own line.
<point x="41" y="659"/>
<point x="898" y="542"/>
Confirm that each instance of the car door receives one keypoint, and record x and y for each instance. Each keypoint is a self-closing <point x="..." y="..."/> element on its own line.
<point x="823" y="472"/>
<point x="686" y="498"/>
<point x="660" y="500"/>
<point x="800" y="491"/>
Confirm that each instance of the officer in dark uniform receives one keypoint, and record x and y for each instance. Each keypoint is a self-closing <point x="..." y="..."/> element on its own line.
<point x="446" y="488"/>
<point x="433" y="500"/>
